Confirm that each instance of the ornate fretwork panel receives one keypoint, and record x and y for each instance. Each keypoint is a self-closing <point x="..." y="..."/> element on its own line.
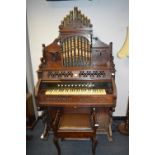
<point x="76" y="51"/>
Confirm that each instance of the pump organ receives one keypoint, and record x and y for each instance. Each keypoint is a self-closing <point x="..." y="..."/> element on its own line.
<point x="76" y="73"/>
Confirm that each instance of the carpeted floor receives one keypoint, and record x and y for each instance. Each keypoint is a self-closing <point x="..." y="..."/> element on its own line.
<point x="36" y="146"/>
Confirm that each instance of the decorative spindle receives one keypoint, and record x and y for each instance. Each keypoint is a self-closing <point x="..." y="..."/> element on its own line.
<point x="83" y="51"/>
<point x="73" y="50"/>
<point x="78" y="50"/>
<point x="70" y="50"/>
<point x="80" y="59"/>
<point x="75" y="13"/>
<point x="89" y="53"/>
<point x="79" y="15"/>
<point x="82" y="19"/>
<point x="67" y="20"/>
<point x="66" y="52"/>
<point x="88" y="22"/>
<point x="67" y="41"/>
<point x="85" y="21"/>
<point x="86" y="49"/>
<point x="64" y="21"/>
<point x="63" y="52"/>
<point x="71" y="15"/>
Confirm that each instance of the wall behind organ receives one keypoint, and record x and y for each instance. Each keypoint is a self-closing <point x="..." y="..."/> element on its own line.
<point x="109" y="18"/>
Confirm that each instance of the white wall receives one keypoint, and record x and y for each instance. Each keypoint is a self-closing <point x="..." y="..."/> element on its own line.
<point x="29" y="72"/>
<point x="109" y="19"/>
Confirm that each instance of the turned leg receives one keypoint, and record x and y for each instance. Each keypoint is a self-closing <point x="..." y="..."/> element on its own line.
<point x="46" y="121"/>
<point x="94" y="144"/>
<point x="44" y="135"/>
<point x="55" y="140"/>
<point x="109" y="132"/>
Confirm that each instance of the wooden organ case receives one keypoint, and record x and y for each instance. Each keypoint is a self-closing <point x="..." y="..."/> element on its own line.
<point x="76" y="73"/>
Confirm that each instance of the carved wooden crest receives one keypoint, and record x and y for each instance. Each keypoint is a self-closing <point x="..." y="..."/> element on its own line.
<point x="97" y="43"/>
<point x="75" y="19"/>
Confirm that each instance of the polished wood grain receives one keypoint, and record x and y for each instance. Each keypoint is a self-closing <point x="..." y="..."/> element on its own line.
<point x="76" y="56"/>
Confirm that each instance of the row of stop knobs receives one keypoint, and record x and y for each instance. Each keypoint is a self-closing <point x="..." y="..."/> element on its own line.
<point x="61" y="74"/>
<point x="81" y="74"/>
<point x="91" y="74"/>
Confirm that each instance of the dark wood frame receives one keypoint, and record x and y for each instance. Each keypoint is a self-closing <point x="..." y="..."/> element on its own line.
<point x="77" y="24"/>
<point x="78" y="133"/>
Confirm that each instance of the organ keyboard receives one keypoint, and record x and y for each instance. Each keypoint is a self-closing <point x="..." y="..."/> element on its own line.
<point x="77" y="72"/>
<point x="78" y="91"/>
<point x="75" y="89"/>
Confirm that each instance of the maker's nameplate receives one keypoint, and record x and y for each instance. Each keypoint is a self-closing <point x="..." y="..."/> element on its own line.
<point x="70" y="99"/>
<point x="59" y="99"/>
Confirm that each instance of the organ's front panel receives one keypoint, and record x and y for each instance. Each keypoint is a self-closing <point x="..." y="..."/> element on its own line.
<point x="77" y="72"/>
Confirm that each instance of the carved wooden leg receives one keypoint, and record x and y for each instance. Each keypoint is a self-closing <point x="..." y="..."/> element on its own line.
<point x="94" y="144"/>
<point x="45" y="119"/>
<point x="44" y="135"/>
<point x="55" y="140"/>
<point x="109" y="134"/>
